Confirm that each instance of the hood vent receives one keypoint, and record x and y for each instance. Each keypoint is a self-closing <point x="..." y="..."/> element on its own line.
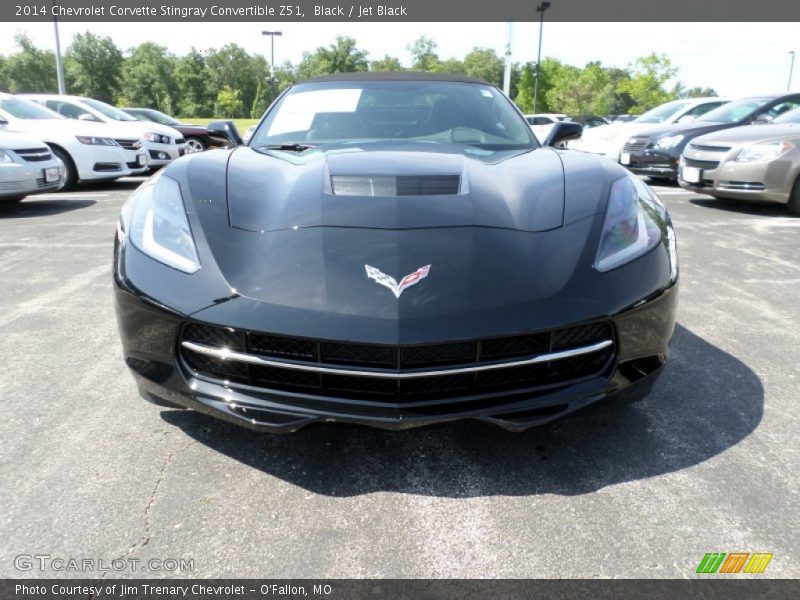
<point x="400" y="185"/>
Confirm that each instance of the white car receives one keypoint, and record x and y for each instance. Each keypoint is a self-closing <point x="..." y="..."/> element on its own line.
<point x="542" y="123"/>
<point x="163" y="144"/>
<point x="27" y="166"/>
<point x="88" y="150"/>
<point x="610" y="139"/>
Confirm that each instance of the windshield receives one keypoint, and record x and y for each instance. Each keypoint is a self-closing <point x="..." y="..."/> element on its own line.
<point x="107" y="110"/>
<point x="157" y="117"/>
<point x="336" y="113"/>
<point x="793" y="116"/>
<point x="24" y="109"/>
<point x="734" y="111"/>
<point x="662" y="113"/>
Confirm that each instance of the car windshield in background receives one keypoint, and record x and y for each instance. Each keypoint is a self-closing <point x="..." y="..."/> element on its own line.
<point x="793" y="116"/>
<point x="735" y="111"/>
<point x="108" y="110"/>
<point x="338" y="113"/>
<point x="661" y="114"/>
<point x="23" y="109"/>
<point x="159" y="117"/>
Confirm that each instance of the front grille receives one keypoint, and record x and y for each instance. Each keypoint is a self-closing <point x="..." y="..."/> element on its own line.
<point x="35" y="154"/>
<point x="400" y="374"/>
<point x="393" y="186"/>
<point x="129" y="144"/>
<point x="179" y="141"/>
<point x="104" y="166"/>
<point x="707" y="148"/>
<point x="635" y="145"/>
<point x="708" y="165"/>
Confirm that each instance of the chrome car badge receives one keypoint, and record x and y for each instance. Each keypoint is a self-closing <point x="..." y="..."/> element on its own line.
<point x="391" y="283"/>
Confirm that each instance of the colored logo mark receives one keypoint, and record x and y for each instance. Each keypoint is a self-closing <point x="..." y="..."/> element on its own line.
<point x="734" y="562"/>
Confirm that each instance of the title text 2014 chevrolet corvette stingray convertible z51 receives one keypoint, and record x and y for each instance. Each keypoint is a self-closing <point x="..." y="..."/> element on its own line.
<point x="394" y="250"/>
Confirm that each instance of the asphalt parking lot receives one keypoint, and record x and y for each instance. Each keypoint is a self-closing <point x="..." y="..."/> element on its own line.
<point x="710" y="462"/>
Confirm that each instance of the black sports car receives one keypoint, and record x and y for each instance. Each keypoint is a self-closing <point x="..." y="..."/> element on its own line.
<point x="394" y="250"/>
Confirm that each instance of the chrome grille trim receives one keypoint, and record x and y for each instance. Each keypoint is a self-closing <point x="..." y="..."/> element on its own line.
<point x="225" y="354"/>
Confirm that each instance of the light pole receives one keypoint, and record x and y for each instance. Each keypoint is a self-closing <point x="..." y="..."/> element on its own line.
<point x="272" y="35"/>
<point x="791" y="69"/>
<point x="62" y="87"/>
<point x="543" y="6"/>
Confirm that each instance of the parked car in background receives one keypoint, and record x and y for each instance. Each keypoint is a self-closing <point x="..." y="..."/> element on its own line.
<point x="196" y="136"/>
<point x="90" y="151"/>
<point x="610" y="140"/>
<point x="755" y="162"/>
<point x="542" y="123"/>
<point x="656" y="152"/>
<point x="588" y="121"/>
<point x="163" y="144"/>
<point x="27" y="166"/>
<point x="621" y="118"/>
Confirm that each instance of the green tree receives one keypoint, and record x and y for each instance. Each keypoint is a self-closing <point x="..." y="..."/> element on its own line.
<point x="423" y="54"/>
<point x="3" y="73"/>
<point x="648" y="75"/>
<point x="451" y="66"/>
<point x="30" y="69"/>
<point x="93" y="66"/>
<point x="386" y="64"/>
<point x="697" y="92"/>
<point x="229" y="102"/>
<point x="483" y="63"/>
<point x="147" y="78"/>
<point x="231" y="66"/>
<point x="524" y="97"/>
<point x="343" y="56"/>
<point x="191" y="78"/>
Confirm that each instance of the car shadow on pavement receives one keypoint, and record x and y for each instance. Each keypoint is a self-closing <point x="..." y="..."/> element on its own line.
<point x="706" y="402"/>
<point x="42" y="208"/>
<point x="762" y="209"/>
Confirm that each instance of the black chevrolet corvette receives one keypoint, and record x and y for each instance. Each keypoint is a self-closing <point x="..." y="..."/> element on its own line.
<point x="394" y="250"/>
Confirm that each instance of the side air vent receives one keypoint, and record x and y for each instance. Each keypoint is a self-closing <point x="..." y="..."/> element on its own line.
<point x="390" y="185"/>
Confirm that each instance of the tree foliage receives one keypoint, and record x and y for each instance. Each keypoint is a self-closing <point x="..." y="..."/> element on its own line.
<point x="93" y="67"/>
<point x="30" y="69"/>
<point x="343" y="56"/>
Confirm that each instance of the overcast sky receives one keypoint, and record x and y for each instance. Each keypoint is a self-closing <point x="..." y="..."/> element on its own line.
<point x="734" y="58"/>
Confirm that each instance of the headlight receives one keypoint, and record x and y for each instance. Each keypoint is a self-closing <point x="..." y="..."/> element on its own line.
<point x="5" y="157"/>
<point x="632" y="226"/>
<point x="152" y="136"/>
<point x="665" y="143"/>
<point x="763" y="152"/>
<point x="93" y="140"/>
<point x="158" y="225"/>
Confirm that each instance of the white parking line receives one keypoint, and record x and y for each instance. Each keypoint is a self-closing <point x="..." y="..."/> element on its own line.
<point x="67" y="196"/>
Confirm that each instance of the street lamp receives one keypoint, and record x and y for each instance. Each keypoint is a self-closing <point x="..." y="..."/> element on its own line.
<point x="543" y="6"/>
<point x="791" y="68"/>
<point x="62" y="87"/>
<point x="272" y="35"/>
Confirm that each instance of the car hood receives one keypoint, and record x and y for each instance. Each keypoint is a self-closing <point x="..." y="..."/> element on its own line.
<point x="522" y="190"/>
<point x="17" y="141"/>
<point x="506" y="240"/>
<point x="53" y="129"/>
<point x="755" y="133"/>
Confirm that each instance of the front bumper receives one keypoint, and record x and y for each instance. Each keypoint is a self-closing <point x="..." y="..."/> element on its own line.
<point x="26" y="179"/>
<point x="652" y="163"/>
<point x="151" y="337"/>
<point x="765" y="181"/>
<point x="159" y="155"/>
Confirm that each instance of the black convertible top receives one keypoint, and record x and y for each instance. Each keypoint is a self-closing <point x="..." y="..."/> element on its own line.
<point x="393" y="76"/>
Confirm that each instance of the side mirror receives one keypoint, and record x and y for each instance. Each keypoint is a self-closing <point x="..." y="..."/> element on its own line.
<point x="563" y="131"/>
<point x="225" y="132"/>
<point x="761" y="120"/>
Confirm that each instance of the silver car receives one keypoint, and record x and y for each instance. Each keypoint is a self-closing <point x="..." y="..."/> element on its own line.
<point x="27" y="166"/>
<point x="755" y="162"/>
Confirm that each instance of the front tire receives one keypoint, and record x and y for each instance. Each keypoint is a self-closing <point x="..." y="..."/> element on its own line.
<point x="71" y="177"/>
<point x="794" y="198"/>
<point x="194" y="145"/>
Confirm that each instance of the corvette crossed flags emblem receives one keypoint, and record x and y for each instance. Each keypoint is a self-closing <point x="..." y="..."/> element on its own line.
<point x="391" y="283"/>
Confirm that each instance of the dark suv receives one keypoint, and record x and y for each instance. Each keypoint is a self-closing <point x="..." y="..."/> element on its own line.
<point x="656" y="152"/>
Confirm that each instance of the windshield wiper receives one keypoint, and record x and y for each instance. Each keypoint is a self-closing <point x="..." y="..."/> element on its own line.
<point x="289" y="146"/>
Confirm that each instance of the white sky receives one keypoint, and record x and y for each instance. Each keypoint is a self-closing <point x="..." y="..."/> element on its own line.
<point x="734" y="58"/>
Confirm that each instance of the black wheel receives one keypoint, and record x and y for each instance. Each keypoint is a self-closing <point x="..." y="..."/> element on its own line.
<point x="71" y="177"/>
<point x="194" y="144"/>
<point x="794" y="198"/>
